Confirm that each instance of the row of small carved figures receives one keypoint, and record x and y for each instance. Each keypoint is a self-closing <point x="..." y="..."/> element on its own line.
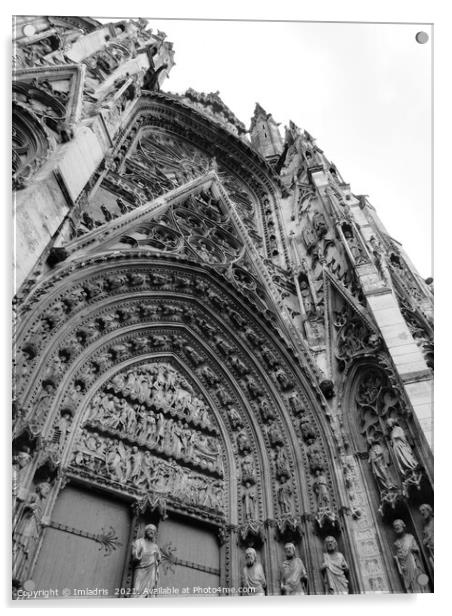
<point x="76" y="298"/>
<point x="165" y="392"/>
<point x="130" y="466"/>
<point x="171" y="438"/>
<point x="195" y="416"/>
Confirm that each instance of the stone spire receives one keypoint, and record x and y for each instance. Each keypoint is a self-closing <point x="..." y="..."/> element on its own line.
<point x="265" y="136"/>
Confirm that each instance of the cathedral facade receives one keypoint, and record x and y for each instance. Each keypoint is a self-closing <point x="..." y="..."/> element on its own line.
<point x="223" y="363"/>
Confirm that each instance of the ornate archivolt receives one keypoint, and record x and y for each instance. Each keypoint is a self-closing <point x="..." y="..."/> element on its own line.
<point x="101" y="323"/>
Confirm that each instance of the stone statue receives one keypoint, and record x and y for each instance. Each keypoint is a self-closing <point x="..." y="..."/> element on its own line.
<point x="403" y="453"/>
<point x="427" y="514"/>
<point x="28" y="528"/>
<point x="21" y="462"/>
<point x="285" y="497"/>
<point x="334" y="568"/>
<point x="379" y="464"/>
<point x="43" y="402"/>
<point x="249" y="501"/>
<point x="408" y="559"/>
<point x="253" y="574"/>
<point x="146" y="555"/>
<point x="293" y="573"/>
<point x="320" y="488"/>
<point x="306" y="298"/>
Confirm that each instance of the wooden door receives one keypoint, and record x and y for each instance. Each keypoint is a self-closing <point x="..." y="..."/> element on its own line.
<point x="85" y="546"/>
<point x="195" y="554"/>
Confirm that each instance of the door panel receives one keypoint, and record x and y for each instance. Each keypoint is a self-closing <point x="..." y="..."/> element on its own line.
<point x="196" y="556"/>
<point x="68" y="560"/>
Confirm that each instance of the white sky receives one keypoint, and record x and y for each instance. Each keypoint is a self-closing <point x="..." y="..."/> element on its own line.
<point x="362" y="90"/>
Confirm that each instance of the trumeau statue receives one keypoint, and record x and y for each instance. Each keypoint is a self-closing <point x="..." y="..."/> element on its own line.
<point x="334" y="568"/>
<point x="146" y="556"/>
<point x="293" y="577"/>
<point x="253" y="576"/>
<point x="408" y="558"/>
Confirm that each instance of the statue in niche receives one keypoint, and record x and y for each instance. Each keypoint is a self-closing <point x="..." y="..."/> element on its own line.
<point x="334" y="569"/>
<point x="281" y="461"/>
<point x="293" y="577"/>
<point x="267" y="412"/>
<point x="403" y="453"/>
<point x="320" y="489"/>
<point x="249" y="501"/>
<point x="28" y="528"/>
<point x="43" y="402"/>
<point x="251" y="336"/>
<point x="254" y="389"/>
<point x="243" y="443"/>
<point x="146" y="556"/>
<point x="222" y="345"/>
<point x="248" y="471"/>
<point x="426" y="512"/>
<point x="274" y="435"/>
<point x="195" y="357"/>
<point x="21" y="461"/>
<point x="269" y="357"/>
<point x="63" y="427"/>
<point x="238" y="364"/>
<point x="282" y="378"/>
<point x="296" y="403"/>
<point x="253" y="574"/>
<point x="379" y="462"/>
<point x="307" y="429"/>
<point x="306" y="298"/>
<point x="408" y="558"/>
<point x="315" y="457"/>
<point x="235" y="419"/>
<point x="285" y="497"/>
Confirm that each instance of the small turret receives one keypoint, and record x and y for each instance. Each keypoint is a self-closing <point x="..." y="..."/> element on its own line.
<point x="265" y="136"/>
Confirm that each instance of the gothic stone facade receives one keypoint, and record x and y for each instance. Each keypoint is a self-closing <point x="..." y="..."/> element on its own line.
<point x="213" y="335"/>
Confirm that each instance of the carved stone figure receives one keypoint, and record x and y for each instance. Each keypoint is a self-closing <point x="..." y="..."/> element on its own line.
<point x="274" y="435"/>
<point x="408" y="558"/>
<point x="248" y="471"/>
<point x="21" y="462"/>
<point x="146" y="556"/>
<point x="249" y="501"/>
<point x="43" y="403"/>
<point x="379" y="464"/>
<point x="253" y="574"/>
<point x="426" y="512"/>
<point x="266" y="410"/>
<point x="320" y="489"/>
<point x="281" y="462"/>
<point x="28" y="528"/>
<point x="403" y="453"/>
<point x="243" y="444"/>
<point x="334" y="569"/>
<point x="306" y="298"/>
<point x="293" y="575"/>
<point x="285" y="501"/>
<point x="235" y="419"/>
